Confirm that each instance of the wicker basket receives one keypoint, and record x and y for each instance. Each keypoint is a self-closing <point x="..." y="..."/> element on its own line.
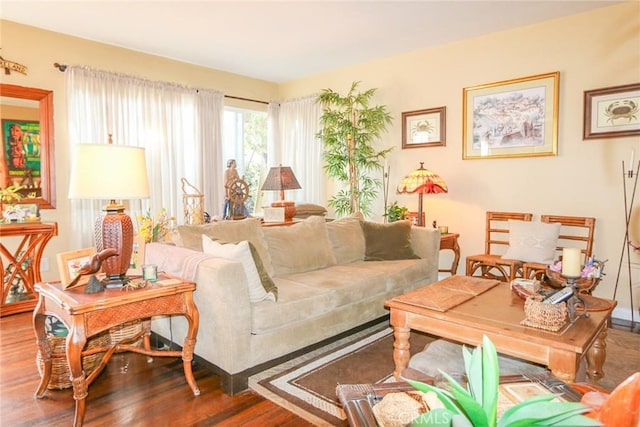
<point x="126" y="331"/>
<point x="550" y="317"/>
<point x="60" y="372"/>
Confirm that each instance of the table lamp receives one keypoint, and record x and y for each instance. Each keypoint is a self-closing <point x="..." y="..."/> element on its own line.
<point x="110" y="172"/>
<point x="422" y="181"/>
<point x="281" y="178"/>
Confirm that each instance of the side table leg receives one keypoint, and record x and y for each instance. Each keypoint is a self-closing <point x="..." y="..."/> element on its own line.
<point x="76" y="341"/>
<point x="43" y="347"/>
<point x="187" y="358"/>
<point x="193" y="318"/>
<point x="596" y="356"/>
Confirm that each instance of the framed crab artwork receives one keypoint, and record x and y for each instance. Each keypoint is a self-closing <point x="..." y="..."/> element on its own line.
<point x="612" y="112"/>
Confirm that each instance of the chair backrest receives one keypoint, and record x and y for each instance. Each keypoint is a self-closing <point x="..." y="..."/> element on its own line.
<point x="497" y="230"/>
<point x="575" y="232"/>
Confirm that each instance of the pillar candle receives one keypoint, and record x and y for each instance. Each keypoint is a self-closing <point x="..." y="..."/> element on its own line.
<point x="571" y="265"/>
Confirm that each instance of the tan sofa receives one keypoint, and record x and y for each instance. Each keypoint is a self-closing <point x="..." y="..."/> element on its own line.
<point x="324" y="286"/>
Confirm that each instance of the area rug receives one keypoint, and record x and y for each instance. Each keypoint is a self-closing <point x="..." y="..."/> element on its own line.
<point x="306" y="385"/>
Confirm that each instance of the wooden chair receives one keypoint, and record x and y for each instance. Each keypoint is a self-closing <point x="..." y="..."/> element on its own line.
<point x="575" y="231"/>
<point x="491" y="264"/>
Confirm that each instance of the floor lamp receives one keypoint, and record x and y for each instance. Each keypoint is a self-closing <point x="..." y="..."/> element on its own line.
<point x="422" y="181"/>
<point x="110" y="172"/>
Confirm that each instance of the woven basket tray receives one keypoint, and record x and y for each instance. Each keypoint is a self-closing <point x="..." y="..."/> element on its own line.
<point x="60" y="372"/>
<point x="550" y="317"/>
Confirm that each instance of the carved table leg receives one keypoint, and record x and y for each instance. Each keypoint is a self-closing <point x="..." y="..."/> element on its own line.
<point x="43" y="346"/>
<point x="401" y="351"/>
<point x="401" y="334"/>
<point x="596" y="356"/>
<point x="76" y="341"/>
<point x="193" y="318"/>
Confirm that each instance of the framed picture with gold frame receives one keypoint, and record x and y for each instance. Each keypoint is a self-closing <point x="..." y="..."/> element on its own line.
<point x="511" y="118"/>
<point x="612" y="112"/>
<point x="424" y="128"/>
<point x="70" y="262"/>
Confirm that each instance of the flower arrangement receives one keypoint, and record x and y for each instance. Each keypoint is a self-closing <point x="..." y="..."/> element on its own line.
<point x="154" y="227"/>
<point x="11" y="194"/>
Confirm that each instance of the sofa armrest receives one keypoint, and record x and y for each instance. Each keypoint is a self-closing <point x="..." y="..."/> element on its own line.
<point x="426" y="242"/>
<point x="222" y="299"/>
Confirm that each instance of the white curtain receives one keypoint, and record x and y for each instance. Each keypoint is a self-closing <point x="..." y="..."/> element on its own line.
<point x="293" y="126"/>
<point x="179" y="127"/>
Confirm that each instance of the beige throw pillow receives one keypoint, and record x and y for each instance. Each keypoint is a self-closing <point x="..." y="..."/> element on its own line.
<point x="301" y="247"/>
<point x="532" y="241"/>
<point x="347" y="239"/>
<point x="248" y="229"/>
<point x="240" y="252"/>
<point x="388" y="241"/>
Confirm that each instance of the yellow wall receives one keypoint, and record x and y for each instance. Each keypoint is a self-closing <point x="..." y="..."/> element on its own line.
<point x="592" y="50"/>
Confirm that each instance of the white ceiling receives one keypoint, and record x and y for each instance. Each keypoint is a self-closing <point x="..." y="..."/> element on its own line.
<point x="283" y="40"/>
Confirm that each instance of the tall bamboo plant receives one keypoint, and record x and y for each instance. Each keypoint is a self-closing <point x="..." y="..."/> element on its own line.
<point x="350" y="127"/>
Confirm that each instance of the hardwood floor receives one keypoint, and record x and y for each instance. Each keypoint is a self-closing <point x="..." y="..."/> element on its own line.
<point x="129" y="392"/>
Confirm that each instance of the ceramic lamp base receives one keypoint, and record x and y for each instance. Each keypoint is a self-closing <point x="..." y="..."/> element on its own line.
<point x="289" y="208"/>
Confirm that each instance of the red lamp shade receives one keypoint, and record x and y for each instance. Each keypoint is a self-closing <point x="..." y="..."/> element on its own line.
<point x="422" y="181"/>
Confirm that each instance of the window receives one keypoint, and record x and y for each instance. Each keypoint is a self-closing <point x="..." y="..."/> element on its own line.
<point x="245" y="140"/>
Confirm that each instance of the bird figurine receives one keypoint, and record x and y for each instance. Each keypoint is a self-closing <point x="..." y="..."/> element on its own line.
<point x="93" y="266"/>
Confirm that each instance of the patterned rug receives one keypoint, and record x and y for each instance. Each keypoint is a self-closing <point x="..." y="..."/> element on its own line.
<point x="306" y="385"/>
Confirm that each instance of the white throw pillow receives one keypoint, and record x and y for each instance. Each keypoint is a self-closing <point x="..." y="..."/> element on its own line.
<point x="240" y="252"/>
<point x="532" y="241"/>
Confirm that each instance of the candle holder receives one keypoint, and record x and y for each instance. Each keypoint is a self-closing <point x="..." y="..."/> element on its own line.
<point x="576" y="302"/>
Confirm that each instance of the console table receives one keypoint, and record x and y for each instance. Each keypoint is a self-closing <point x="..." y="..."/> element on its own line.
<point x="449" y="241"/>
<point x="86" y="315"/>
<point x="20" y="263"/>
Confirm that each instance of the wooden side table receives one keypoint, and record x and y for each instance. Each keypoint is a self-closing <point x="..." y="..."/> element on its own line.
<point x="86" y="315"/>
<point x="20" y="266"/>
<point x="449" y="241"/>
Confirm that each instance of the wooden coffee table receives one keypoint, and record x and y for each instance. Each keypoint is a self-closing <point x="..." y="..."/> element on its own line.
<point x="497" y="313"/>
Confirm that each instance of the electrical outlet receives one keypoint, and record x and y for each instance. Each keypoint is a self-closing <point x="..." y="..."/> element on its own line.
<point x="44" y="264"/>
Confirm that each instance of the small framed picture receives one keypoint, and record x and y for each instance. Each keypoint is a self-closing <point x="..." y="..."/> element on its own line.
<point x="70" y="262"/>
<point x="273" y="214"/>
<point x="612" y="112"/>
<point x="424" y="128"/>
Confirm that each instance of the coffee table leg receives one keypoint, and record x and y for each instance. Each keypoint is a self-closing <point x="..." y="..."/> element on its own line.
<point x="401" y="334"/>
<point x="596" y="356"/>
<point x="563" y="365"/>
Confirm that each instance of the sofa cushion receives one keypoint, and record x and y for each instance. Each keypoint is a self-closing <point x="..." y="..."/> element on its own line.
<point x="301" y="247"/>
<point x="240" y="252"/>
<point x="347" y="239"/>
<point x="400" y="275"/>
<point x="248" y="229"/>
<point x="387" y="241"/>
<point x="532" y="241"/>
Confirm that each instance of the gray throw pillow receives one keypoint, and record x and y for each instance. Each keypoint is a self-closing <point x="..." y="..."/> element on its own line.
<point x="387" y="241"/>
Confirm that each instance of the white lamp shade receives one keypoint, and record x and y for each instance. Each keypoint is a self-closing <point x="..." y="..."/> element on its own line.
<point x="107" y="171"/>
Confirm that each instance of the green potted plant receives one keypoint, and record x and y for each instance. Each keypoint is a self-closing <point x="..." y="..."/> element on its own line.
<point x="350" y="127"/>
<point x="477" y="405"/>
<point x="396" y="213"/>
